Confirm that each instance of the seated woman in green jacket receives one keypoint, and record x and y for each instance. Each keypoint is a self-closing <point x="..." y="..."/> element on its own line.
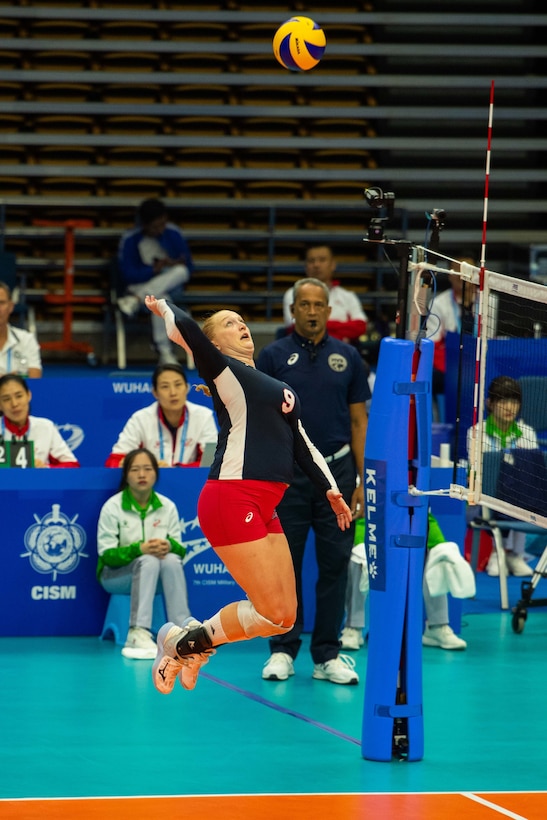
<point x="140" y="554"/>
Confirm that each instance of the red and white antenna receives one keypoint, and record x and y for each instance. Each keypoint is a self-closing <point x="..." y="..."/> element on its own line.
<point x="473" y="455"/>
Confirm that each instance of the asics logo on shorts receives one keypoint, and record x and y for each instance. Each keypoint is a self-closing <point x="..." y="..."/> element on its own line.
<point x="249" y="517"/>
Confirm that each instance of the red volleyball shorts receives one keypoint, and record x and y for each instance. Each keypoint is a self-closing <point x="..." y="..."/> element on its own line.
<point x="237" y="511"/>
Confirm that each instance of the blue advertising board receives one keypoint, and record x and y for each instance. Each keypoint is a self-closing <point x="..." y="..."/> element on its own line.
<point x="49" y="549"/>
<point x="91" y="412"/>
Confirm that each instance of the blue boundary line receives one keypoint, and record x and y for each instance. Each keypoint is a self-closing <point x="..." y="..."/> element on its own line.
<point x="281" y="709"/>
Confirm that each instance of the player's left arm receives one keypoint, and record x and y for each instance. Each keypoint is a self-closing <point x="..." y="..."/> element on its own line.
<point x="312" y="462"/>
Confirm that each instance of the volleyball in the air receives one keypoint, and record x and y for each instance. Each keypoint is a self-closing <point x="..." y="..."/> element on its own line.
<point x="299" y="44"/>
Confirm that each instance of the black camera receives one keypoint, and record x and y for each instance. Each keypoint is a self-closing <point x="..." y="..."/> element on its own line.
<point x="438" y="216"/>
<point x="377" y="198"/>
<point x="376" y="229"/>
<point x="383" y="201"/>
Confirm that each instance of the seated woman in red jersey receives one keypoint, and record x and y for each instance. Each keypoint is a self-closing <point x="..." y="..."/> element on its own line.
<point x="16" y="424"/>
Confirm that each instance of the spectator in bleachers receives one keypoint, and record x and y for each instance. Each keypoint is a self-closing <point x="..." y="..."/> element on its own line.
<point x="347" y="320"/>
<point x="174" y="429"/>
<point x="154" y="258"/>
<point x="19" y="350"/>
<point x="16" y="424"/>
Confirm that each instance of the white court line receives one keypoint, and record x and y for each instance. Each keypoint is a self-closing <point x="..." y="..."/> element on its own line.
<point x="490" y="805"/>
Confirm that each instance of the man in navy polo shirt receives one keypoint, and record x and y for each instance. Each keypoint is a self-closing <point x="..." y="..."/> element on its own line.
<point x="331" y="382"/>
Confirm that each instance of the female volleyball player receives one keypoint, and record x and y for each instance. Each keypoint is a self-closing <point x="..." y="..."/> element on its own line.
<point x="260" y="437"/>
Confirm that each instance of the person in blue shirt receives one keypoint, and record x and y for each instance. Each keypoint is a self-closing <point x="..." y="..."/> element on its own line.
<point x="330" y="380"/>
<point x="153" y="258"/>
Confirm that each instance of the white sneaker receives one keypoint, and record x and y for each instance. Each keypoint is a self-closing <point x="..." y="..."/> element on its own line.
<point x="493" y="566"/>
<point x="443" y="637"/>
<point x="139" y="645"/>
<point x="516" y="565"/>
<point x="351" y="638"/>
<point x="172" y="653"/>
<point x="191" y="664"/>
<point x="128" y="304"/>
<point x="279" y="666"/>
<point x="166" y="667"/>
<point x="337" y="670"/>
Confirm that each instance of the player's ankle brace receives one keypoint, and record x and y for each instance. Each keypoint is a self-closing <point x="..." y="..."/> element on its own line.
<point x="194" y="642"/>
<point x="254" y="624"/>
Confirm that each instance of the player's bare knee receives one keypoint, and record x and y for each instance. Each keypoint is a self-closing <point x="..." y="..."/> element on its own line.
<point x="281" y="615"/>
<point x="287" y="619"/>
<point x="284" y="626"/>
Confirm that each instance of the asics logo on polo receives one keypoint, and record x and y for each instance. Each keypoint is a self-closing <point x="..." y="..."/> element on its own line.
<point x="248" y="517"/>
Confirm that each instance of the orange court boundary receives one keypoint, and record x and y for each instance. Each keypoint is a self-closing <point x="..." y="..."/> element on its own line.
<point x="410" y="806"/>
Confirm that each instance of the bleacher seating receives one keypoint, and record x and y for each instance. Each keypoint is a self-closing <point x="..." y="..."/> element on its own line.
<point x="187" y="103"/>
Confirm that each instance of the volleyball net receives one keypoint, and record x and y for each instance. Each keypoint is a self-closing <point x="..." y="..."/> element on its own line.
<point x="500" y="397"/>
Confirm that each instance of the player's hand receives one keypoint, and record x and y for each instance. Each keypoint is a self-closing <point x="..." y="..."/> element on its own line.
<point x="160" y="308"/>
<point x="156" y="306"/>
<point x="340" y="509"/>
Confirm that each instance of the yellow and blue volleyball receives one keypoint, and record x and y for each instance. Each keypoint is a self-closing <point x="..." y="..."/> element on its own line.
<point x="299" y="44"/>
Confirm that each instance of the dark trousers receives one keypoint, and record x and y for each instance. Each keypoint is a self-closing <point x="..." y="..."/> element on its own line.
<point x="303" y="507"/>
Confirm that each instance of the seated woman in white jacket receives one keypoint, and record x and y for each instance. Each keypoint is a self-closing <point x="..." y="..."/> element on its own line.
<point x="174" y="429"/>
<point x="17" y="425"/>
<point x="140" y="554"/>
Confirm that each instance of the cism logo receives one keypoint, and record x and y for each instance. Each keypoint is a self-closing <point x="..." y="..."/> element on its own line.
<point x="55" y="543"/>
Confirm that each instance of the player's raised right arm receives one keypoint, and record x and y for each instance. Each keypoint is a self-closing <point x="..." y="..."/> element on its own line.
<point x="185" y="331"/>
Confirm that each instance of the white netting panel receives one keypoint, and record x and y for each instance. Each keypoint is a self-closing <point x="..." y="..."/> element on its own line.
<point x="508" y="446"/>
<point x="506" y="456"/>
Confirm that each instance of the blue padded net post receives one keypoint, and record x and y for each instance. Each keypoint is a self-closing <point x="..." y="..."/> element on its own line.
<point x="397" y="454"/>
